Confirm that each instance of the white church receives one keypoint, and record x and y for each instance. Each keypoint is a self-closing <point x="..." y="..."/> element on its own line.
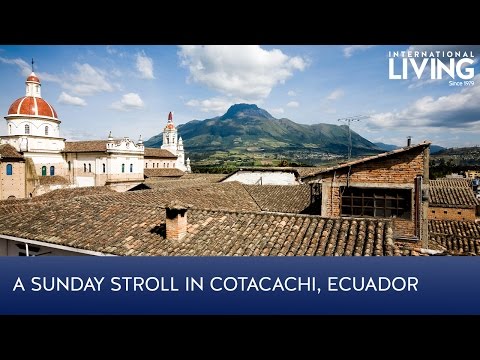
<point x="33" y="130"/>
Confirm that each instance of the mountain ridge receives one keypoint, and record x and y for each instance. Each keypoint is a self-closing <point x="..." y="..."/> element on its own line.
<point x="246" y="128"/>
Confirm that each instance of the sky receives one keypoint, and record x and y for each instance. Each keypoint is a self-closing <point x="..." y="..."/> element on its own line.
<point x="130" y="89"/>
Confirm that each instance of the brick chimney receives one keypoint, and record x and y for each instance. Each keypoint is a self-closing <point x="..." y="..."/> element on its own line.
<point x="176" y="220"/>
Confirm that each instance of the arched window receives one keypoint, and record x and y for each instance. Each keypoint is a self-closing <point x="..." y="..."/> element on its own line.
<point x="9" y="169"/>
<point x="44" y="171"/>
<point x="52" y="170"/>
<point x="46" y="130"/>
<point x="9" y="129"/>
<point x="123" y="168"/>
<point x="168" y="165"/>
<point x="89" y="167"/>
<point x="104" y="168"/>
<point x="131" y="167"/>
<point x="27" y="129"/>
<point x="84" y="167"/>
<point x="168" y="140"/>
<point x="173" y="140"/>
<point x="69" y="166"/>
<point x="146" y="165"/>
<point x="37" y="88"/>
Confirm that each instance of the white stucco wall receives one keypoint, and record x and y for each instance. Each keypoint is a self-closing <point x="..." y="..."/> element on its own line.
<point x="263" y="178"/>
<point x="159" y="163"/>
<point x="36" y="127"/>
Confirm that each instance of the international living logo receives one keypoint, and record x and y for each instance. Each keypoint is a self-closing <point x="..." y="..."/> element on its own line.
<point x="434" y="65"/>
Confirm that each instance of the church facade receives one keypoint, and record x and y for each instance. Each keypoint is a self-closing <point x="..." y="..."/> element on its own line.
<point x="33" y="131"/>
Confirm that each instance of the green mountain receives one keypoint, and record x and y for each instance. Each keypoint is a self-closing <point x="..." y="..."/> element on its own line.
<point x="245" y="128"/>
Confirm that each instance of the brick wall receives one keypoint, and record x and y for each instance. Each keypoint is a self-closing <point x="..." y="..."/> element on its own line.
<point x="440" y="213"/>
<point x="397" y="171"/>
<point x="12" y="185"/>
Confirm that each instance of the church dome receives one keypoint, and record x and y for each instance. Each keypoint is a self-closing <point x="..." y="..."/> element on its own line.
<point x="32" y="106"/>
<point x="32" y="103"/>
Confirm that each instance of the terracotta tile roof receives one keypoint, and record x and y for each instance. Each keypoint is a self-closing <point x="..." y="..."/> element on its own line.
<point x="202" y="176"/>
<point x="163" y="172"/>
<point x="446" y="182"/>
<point x="86" y="146"/>
<point x="122" y="228"/>
<point x="158" y="153"/>
<point x="466" y="229"/>
<point x="67" y="194"/>
<point x="455" y="237"/>
<point x="7" y="151"/>
<point x="309" y="170"/>
<point x="165" y="183"/>
<point x="226" y="196"/>
<point x="280" y="198"/>
<point x="456" y="197"/>
<point x="370" y="158"/>
<point x="53" y="180"/>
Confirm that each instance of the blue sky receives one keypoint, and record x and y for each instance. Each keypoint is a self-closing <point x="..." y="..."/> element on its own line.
<point x="129" y="89"/>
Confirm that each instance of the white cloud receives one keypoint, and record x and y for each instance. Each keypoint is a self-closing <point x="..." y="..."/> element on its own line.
<point x="216" y="105"/>
<point x="293" y="104"/>
<point x="129" y="101"/>
<point x="87" y="80"/>
<point x="457" y="110"/>
<point x="335" y="94"/>
<point x="144" y="66"/>
<point x="278" y="111"/>
<point x="111" y="50"/>
<point x="26" y="69"/>
<point x="64" y="98"/>
<point x="246" y="71"/>
<point x="348" y="51"/>
<point x="292" y="93"/>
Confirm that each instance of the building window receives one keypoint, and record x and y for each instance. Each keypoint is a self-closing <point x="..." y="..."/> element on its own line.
<point x="158" y="165"/>
<point x="445" y="212"/>
<point x="168" y="165"/>
<point x="9" y="169"/>
<point x="173" y="165"/>
<point x="459" y="213"/>
<point x="104" y="168"/>
<point x="44" y="171"/>
<point x="146" y="165"/>
<point x="376" y="202"/>
<point x="52" y="170"/>
<point x="131" y="167"/>
<point x="168" y="140"/>
<point x="123" y="168"/>
<point x="84" y="167"/>
<point x="27" y="129"/>
<point x="46" y="130"/>
<point x="433" y="211"/>
<point x="69" y="166"/>
<point x="37" y="89"/>
<point x="9" y="129"/>
<point x="89" y="167"/>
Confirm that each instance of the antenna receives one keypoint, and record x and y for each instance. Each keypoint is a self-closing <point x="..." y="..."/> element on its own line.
<point x="348" y="120"/>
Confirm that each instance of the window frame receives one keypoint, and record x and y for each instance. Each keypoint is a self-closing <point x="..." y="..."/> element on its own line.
<point x="9" y="170"/>
<point x="376" y="202"/>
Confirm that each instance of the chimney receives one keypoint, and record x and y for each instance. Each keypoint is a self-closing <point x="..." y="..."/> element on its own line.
<point x="176" y="220"/>
<point x="409" y="141"/>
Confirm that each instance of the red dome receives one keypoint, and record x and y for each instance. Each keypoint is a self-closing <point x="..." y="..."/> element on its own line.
<point x="33" y="106"/>
<point x="33" y="78"/>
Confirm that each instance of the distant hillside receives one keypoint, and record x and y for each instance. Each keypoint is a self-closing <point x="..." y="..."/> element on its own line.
<point x="388" y="147"/>
<point x="246" y="128"/>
